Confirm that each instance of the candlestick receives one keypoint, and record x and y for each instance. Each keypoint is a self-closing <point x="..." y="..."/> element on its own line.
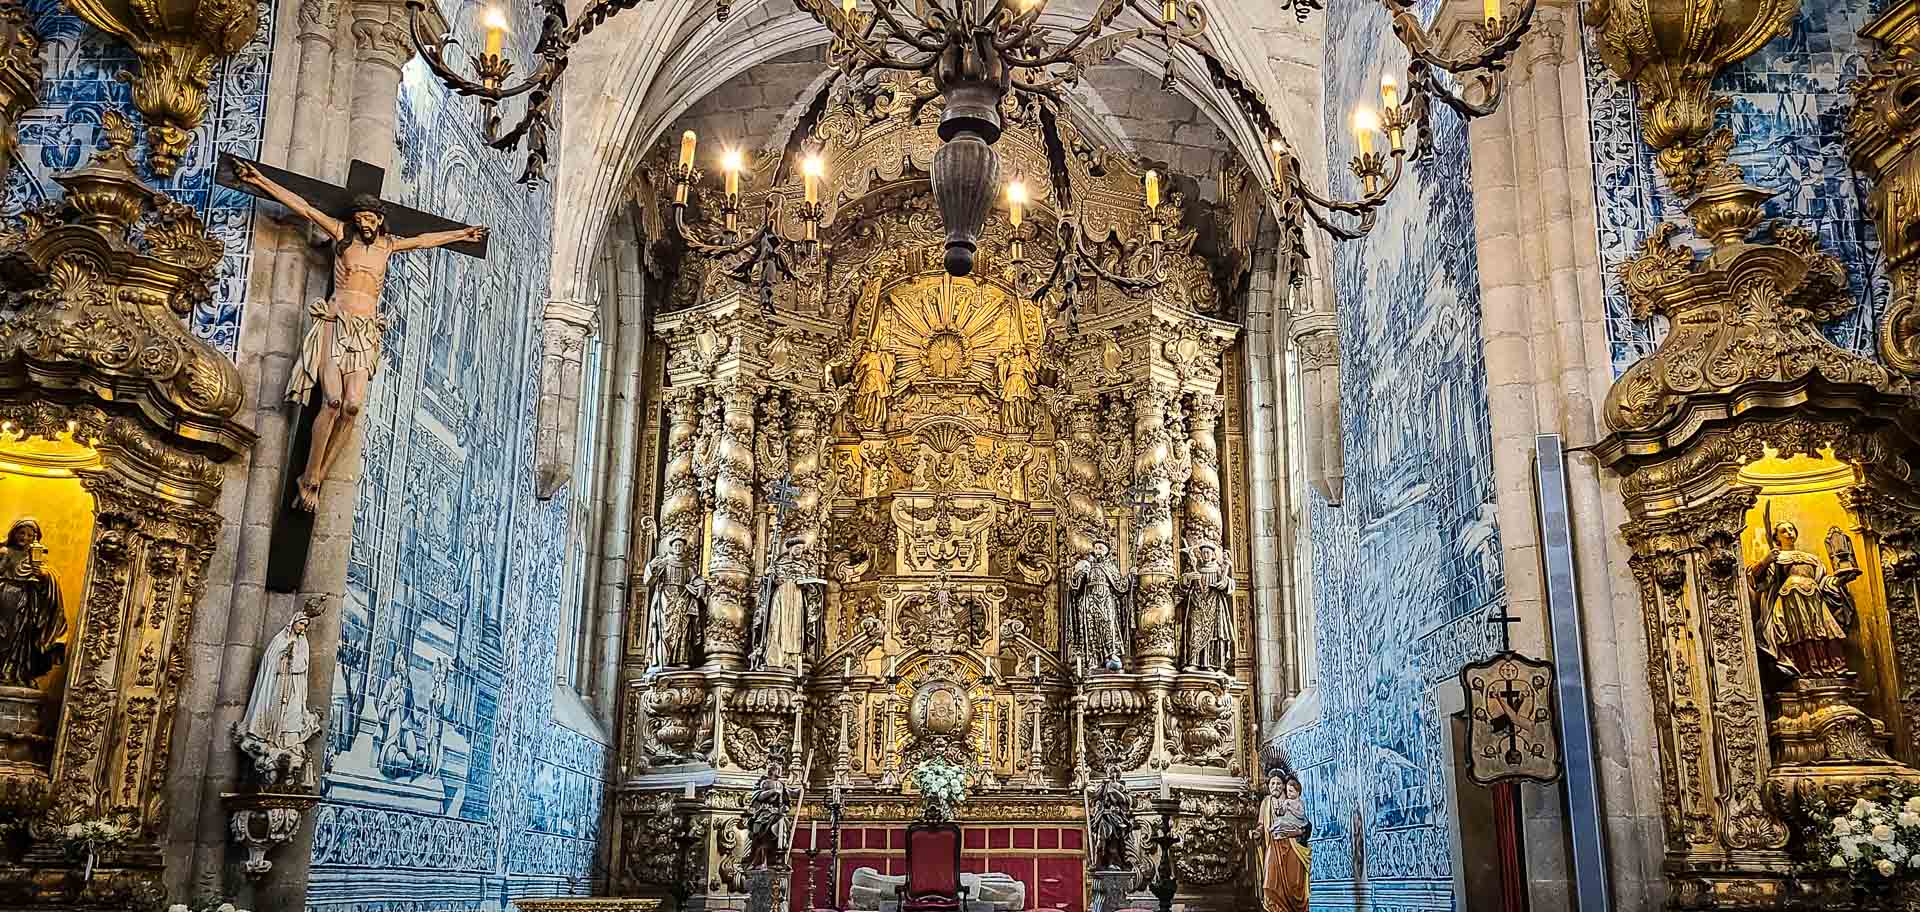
<point x="893" y="666"/>
<point x="495" y="22"/>
<point x="1169" y="10"/>
<point x="1364" y="123"/>
<point x="811" y="170"/>
<point x="687" y="141"/>
<point x="1016" y="202"/>
<point x="846" y="667"/>
<point x="730" y="164"/>
<point x="1153" y="189"/>
<point x="1036" y="666"/>
<point x="1389" y="92"/>
<point x="690" y="792"/>
<point x="813" y="835"/>
<point x="1166" y="789"/>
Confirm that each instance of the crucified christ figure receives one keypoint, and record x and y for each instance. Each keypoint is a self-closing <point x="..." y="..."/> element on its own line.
<point x="342" y="347"/>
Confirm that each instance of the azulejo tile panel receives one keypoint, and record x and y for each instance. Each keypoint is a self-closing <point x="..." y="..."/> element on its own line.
<point x="1788" y="112"/>
<point x="80" y="82"/>
<point x="1415" y="538"/>
<point x="450" y="786"/>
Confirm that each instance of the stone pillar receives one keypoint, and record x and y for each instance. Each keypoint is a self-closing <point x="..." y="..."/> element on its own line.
<point x="1203" y="486"/>
<point x="731" y="560"/>
<point x="381" y="48"/>
<point x="565" y="326"/>
<point x="1316" y="342"/>
<point x="1156" y="641"/>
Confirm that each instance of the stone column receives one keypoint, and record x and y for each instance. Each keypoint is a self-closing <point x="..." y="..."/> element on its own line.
<point x="1156" y="641"/>
<point x="1316" y="343"/>
<point x="731" y="561"/>
<point x="565" y="326"/>
<point x="1203" y="486"/>
<point x="381" y="48"/>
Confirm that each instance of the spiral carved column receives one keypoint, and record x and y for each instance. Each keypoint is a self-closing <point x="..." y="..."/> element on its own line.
<point x="731" y="562"/>
<point x="1082" y="482"/>
<point x="805" y="453"/>
<point x="680" y="494"/>
<point x="1156" y="641"/>
<point x="1203" y="488"/>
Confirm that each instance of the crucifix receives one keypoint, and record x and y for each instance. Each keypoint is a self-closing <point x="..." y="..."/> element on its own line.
<point x="341" y="350"/>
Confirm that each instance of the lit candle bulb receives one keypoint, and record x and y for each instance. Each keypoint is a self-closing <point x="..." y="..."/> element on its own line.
<point x="1279" y="152"/>
<point x="813" y="835"/>
<point x="1492" y="9"/>
<point x="687" y="141"/>
<point x="810" y="170"/>
<point x="847" y="7"/>
<point x="495" y="22"/>
<point x="690" y="793"/>
<point x="846" y="667"/>
<point x="1364" y="123"/>
<point x="1153" y="189"/>
<point x="730" y="164"/>
<point x="1389" y="92"/>
<point x="1016" y="202"/>
<point x="1169" y="10"/>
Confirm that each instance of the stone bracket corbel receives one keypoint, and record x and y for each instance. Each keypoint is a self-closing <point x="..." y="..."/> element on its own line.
<point x="262" y="822"/>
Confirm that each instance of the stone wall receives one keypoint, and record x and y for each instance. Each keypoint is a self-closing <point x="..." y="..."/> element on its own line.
<point x="1405" y="571"/>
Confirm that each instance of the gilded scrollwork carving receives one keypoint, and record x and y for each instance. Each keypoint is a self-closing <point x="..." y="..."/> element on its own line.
<point x="19" y="73"/>
<point x="177" y="43"/>
<point x="1881" y="145"/>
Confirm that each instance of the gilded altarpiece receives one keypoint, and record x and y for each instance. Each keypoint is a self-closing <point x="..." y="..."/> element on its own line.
<point x="938" y="453"/>
<point x="114" y="420"/>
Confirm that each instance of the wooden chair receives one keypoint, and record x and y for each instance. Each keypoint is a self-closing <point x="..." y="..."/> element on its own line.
<point x="933" y="869"/>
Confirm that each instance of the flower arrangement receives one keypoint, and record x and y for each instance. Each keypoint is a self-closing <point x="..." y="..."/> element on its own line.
<point x="942" y="785"/>
<point x="1875" y="842"/>
<point x="86" y="840"/>
<point x="206" y="905"/>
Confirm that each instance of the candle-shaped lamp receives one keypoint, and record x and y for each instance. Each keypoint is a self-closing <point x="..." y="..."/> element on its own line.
<point x="893" y="666"/>
<point x="495" y="22"/>
<point x="1166" y="789"/>
<point x="847" y="7"/>
<point x="1364" y="123"/>
<point x="813" y="834"/>
<point x="1016" y="202"/>
<point x="1389" y="92"/>
<point x="730" y="164"/>
<point x="1153" y="189"/>
<point x="1492" y="11"/>
<point x="1169" y="11"/>
<point x="687" y="142"/>
<point x="811" y="169"/>
<point x="690" y="792"/>
<point x="846" y="667"/>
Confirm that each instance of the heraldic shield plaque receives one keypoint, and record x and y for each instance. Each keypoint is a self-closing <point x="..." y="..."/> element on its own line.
<point x="1512" y="730"/>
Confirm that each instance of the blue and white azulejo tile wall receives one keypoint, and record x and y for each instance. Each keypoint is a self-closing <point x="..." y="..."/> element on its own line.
<point x="1788" y="113"/>
<point x="1406" y="570"/>
<point x="80" y="82"/>
<point x="452" y="783"/>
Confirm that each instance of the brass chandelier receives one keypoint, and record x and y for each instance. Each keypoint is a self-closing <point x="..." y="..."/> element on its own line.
<point x="977" y="51"/>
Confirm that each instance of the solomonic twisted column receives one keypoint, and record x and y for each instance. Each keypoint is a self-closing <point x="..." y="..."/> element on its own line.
<point x="731" y="561"/>
<point x="805" y="452"/>
<point x="1156" y="642"/>
<point x="680" y="494"/>
<point x="1082" y="482"/>
<point x="1203" y="488"/>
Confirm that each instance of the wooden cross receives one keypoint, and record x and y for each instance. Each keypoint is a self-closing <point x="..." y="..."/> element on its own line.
<point x="293" y="529"/>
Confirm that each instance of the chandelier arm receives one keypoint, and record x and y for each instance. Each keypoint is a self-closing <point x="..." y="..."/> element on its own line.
<point x="1365" y="203"/>
<point x="1109" y="10"/>
<point x="1341" y="232"/>
<point x="1493" y="52"/>
<point x="433" y="51"/>
<point x="1019" y="30"/>
<point x="912" y="37"/>
<point x="710" y="248"/>
<point x="1042" y="89"/>
<point x="1249" y="99"/>
<point x="1195" y="24"/>
<point x="1131" y="283"/>
<point x="842" y="28"/>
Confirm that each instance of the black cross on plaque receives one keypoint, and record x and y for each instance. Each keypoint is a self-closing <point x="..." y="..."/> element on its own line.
<point x="293" y="528"/>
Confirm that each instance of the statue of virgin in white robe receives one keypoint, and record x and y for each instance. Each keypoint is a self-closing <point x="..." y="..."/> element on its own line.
<point x="278" y="724"/>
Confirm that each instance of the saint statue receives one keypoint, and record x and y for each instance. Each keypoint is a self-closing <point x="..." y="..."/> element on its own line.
<point x="790" y="599"/>
<point x="768" y="811"/>
<point x="1100" y="604"/>
<point x="1208" y="592"/>
<point x="278" y="723"/>
<point x="1113" y="821"/>
<point x="1016" y="387"/>
<point x="32" y="616"/>
<point x="873" y="379"/>
<point x="672" y="587"/>
<point x="1283" y="844"/>
<point x="1805" y="609"/>
<point x="342" y="347"/>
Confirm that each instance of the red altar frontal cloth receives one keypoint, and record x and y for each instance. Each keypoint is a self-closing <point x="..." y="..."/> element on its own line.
<point x="1049" y="859"/>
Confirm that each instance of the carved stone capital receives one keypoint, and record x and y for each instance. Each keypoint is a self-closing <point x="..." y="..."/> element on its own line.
<point x="379" y="30"/>
<point x="319" y="20"/>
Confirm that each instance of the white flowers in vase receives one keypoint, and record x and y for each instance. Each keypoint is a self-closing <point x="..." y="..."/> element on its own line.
<point x="942" y="786"/>
<point x="86" y="840"/>
<point x="1877" y="840"/>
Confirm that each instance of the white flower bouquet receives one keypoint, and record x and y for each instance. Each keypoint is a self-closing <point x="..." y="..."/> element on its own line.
<point x="86" y="840"/>
<point x="206" y="905"/>
<point x="942" y="785"/>
<point x="1875" y="842"/>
